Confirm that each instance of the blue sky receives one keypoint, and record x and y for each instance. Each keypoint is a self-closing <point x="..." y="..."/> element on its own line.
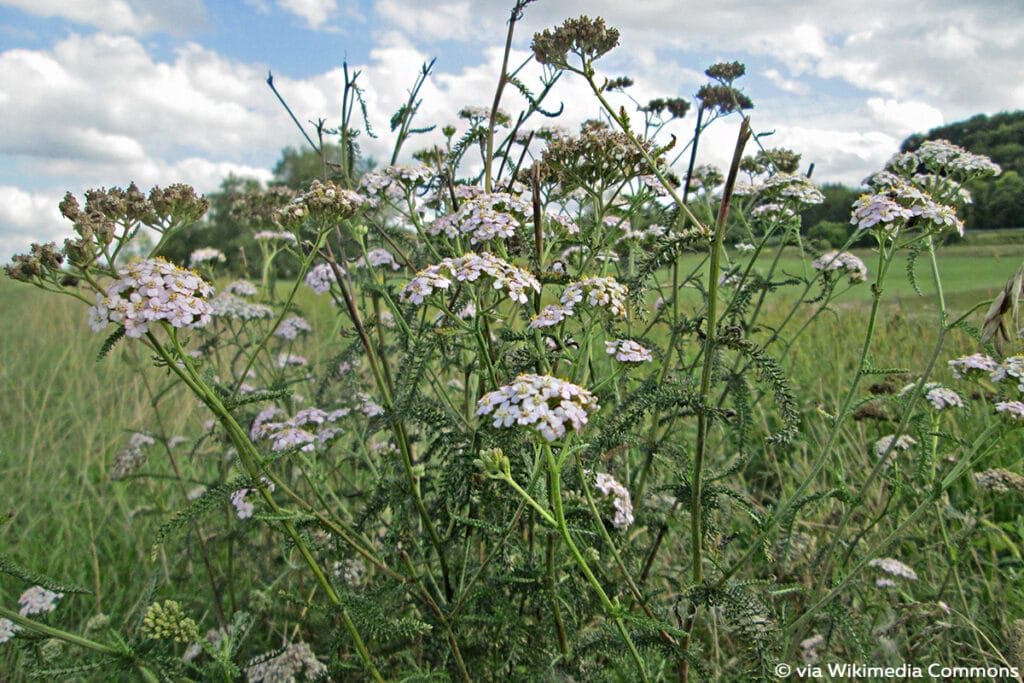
<point x="104" y="92"/>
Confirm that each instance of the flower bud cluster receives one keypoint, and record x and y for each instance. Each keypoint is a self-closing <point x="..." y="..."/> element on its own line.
<point x="152" y="290"/>
<point x="588" y="38"/>
<point x="469" y="268"/>
<point x="545" y="403"/>
<point x="169" y="622"/>
<point x="842" y="261"/>
<point x="323" y="203"/>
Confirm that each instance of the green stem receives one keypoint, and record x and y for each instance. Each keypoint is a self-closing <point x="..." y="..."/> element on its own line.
<point x="563" y="529"/>
<point x="60" y="634"/>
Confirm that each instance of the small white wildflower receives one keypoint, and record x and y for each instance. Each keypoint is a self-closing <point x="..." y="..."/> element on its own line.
<point x="546" y="404"/>
<point x="296" y="658"/>
<point x="291" y="327"/>
<point x="1013" y="408"/>
<point x="286" y="359"/>
<point x="904" y="443"/>
<point x="241" y="288"/>
<point x="963" y="366"/>
<point x="320" y="277"/>
<point x="842" y="261"/>
<point x="203" y="255"/>
<point x="38" y="600"/>
<point x="271" y="236"/>
<point x="600" y="292"/>
<point x="894" y="567"/>
<point x="244" y="508"/>
<point x="809" y="648"/>
<point x="149" y="291"/>
<point x="7" y="630"/>
<point x="628" y="351"/>
<point x="745" y="247"/>
<point x="938" y="395"/>
<point x="621" y="501"/>
<point x="349" y="571"/>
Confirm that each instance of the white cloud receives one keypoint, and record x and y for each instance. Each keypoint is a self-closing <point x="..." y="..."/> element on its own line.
<point x="316" y="13"/>
<point x="127" y="16"/>
<point x="903" y="118"/>
<point x="27" y="217"/>
<point x="785" y="84"/>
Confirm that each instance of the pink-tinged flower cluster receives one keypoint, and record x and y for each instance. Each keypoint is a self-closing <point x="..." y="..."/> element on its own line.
<point x="38" y="600"/>
<point x="152" y="290"/>
<point x="565" y="222"/>
<point x="1011" y="367"/>
<point x="621" y="500"/>
<point x="286" y="359"/>
<point x="243" y="507"/>
<point x="842" y="261"/>
<point x="791" y="189"/>
<point x="600" y="292"/>
<point x="773" y="212"/>
<point x="627" y="351"/>
<point x="320" y="278"/>
<point x="272" y="236"/>
<point x="903" y="443"/>
<point x="938" y="395"/>
<point x="942" y="156"/>
<point x="376" y="258"/>
<point x="203" y="255"/>
<point x="307" y="429"/>
<point x="241" y="288"/>
<point x="7" y="630"/>
<point x="485" y="217"/>
<point x="894" y="567"/>
<point x="545" y="403"/>
<point x="227" y="305"/>
<point x="291" y="327"/>
<point x="394" y="181"/>
<point x="550" y="316"/>
<point x="1013" y="408"/>
<point x="969" y="366"/>
<point x="895" y="203"/>
<point x="469" y="268"/>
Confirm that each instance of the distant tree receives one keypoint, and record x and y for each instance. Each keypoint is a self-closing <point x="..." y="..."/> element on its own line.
<point x="835" y="208"/>
<point x="998" y="202"/>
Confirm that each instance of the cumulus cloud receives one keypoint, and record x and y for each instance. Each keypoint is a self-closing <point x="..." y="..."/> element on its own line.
<point x="121" y="16"/>
<point x="27" y="217"/>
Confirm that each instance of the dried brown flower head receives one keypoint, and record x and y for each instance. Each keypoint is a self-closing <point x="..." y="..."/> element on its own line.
<point x="588" y="38"/>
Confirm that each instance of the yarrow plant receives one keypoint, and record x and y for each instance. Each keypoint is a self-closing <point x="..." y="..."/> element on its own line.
<point x="518" y="409"/>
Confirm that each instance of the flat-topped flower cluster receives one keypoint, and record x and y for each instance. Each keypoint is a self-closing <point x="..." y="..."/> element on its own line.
<point x="469" y="268"/>
<point x="548" y="404"/>
<point x="485" y="217"/>
<point x="152" y="290"/>
<point x="836" y="261"/>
